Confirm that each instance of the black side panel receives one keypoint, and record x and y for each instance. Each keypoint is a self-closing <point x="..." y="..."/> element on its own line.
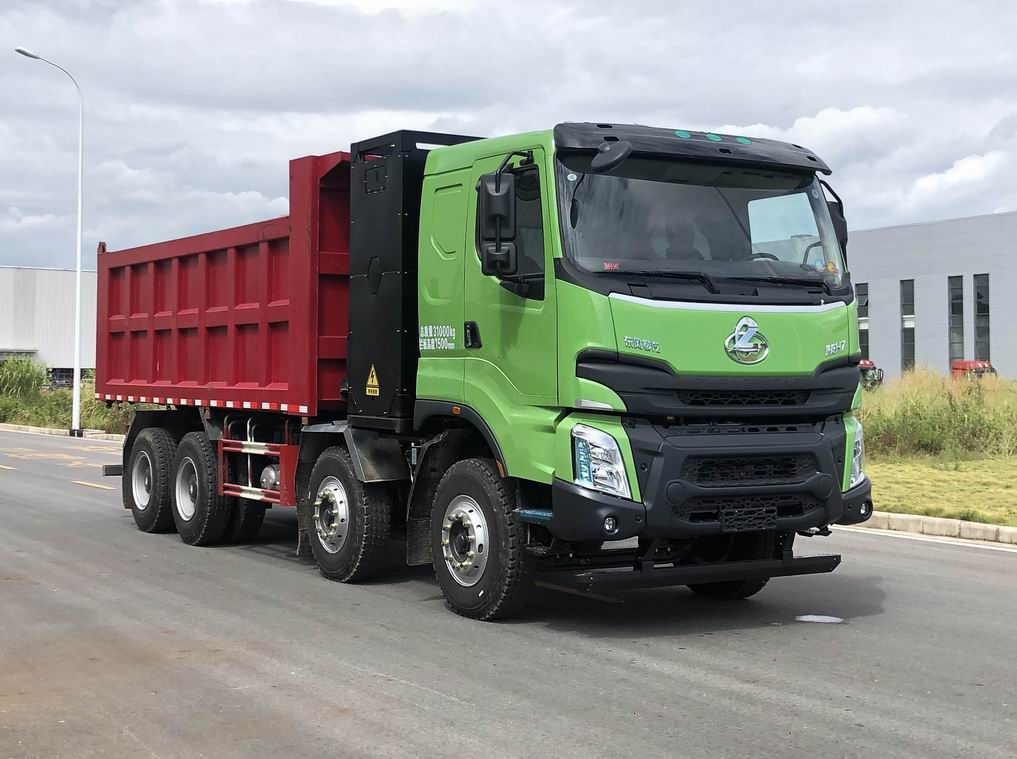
<point x="385" y="182"/>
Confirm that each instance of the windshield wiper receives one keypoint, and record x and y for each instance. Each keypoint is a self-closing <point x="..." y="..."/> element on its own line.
<point x="790" y="281"/>
<point x="692" y="276"/>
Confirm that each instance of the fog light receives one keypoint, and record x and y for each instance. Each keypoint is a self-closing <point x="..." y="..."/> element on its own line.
<point x="610" y="525"/>
<point x="865" y="508"/>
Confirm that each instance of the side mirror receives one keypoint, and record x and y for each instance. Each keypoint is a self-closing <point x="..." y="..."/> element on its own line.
<point x="496" y="211"/>
<point x="836" y="208"/>
<point x="839" y="223"/>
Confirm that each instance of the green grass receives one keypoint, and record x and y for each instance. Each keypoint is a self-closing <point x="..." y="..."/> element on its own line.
<point x="943" y="447"/>
<point x="25" y="399"/>
<point x="52" y="408"/>
<point x="981" y="490"/>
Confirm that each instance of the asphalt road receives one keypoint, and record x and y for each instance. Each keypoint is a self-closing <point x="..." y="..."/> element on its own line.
<point x="116" y="643"/>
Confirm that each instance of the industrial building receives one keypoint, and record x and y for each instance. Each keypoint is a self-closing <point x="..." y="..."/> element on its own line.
<point x="934" y="292"/>
<point x="37" y="317"/>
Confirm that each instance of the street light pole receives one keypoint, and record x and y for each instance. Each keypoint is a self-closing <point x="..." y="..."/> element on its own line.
<point x="76" y="403"/>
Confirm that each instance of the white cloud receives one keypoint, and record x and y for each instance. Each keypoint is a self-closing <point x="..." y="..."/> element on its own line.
<point x="195" y="106"/>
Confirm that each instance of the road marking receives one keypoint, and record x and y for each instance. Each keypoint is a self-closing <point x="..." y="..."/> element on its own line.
<point x="44" y="456"/>
<point x="8" y="468"/>
<point x="93" y="485"/>
<point x="927" y="539"/>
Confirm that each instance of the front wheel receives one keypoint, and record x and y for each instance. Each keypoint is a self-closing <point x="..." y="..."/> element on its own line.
<point x="347" y="521"/>
<point x="477" y="549"/>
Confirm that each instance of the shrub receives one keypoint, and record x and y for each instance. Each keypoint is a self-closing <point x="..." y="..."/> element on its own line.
<point x="22" y="377"/>
<point x="925" y="413"/>
<point x="10" y="409"/>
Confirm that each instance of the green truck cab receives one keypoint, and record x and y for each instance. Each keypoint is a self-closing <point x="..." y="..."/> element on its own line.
<point x="662" y="348"/>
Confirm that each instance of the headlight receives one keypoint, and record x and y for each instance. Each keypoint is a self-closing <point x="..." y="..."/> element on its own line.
<point x="598" y="462"/>
<point x="857" y="457"/>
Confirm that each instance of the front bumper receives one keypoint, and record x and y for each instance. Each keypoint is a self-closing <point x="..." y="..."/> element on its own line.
<point x="777" y="477"/>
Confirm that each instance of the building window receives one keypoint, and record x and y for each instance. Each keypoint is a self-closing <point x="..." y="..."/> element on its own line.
<point x="982" y="317"/>
<point x="907" y="325"/>
<point x="862" y="294"/>
<point x="955" y="292"/>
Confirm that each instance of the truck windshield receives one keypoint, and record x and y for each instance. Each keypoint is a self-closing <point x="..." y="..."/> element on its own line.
<point x="670" y="218"/>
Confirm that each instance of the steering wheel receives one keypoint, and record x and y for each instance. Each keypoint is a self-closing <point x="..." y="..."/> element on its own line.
<point x="762" y="254"/>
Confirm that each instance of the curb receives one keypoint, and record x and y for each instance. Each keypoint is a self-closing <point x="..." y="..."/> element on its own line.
<point x="89" y="434"/>
<point x="940" y="527"/>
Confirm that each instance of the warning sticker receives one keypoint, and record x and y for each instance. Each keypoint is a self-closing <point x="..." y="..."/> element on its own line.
<point x="372" y="382"/>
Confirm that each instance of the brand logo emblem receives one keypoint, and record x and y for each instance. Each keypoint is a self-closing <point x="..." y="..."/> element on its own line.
<point x="650" y="346"/>
<point x="746" y="344"/>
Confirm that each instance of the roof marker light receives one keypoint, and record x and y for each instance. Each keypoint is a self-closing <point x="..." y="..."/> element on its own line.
<point x="713" y="137"/>
<point x="682" y="133"/>
<point x="743" y="140"/>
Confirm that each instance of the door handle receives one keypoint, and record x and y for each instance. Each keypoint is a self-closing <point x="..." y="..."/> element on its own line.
<point x="471" y="335"/>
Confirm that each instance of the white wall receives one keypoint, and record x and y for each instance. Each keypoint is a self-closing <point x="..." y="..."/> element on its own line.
<point x="37" y="315"/>
<point x="930" y="253"/>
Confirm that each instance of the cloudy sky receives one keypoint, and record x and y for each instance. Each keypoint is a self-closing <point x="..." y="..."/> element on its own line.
<point x="194" y="106"/>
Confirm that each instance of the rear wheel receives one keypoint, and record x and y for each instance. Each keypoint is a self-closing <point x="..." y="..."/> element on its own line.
<point x="743" y="547"/>
<point x="245" y="521"/>
<point x="146" y="482"/>
<point x="477" y="549"/>
<point x="200" y="513"/>
<point x="347" y="521"/>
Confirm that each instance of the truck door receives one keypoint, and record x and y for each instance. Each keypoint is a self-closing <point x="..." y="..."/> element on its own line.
<point x="513" y="356"/>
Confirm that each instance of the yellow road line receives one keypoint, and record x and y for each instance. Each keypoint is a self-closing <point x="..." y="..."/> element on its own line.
<point x="8" y="468"/>
<point x="93" y="485"/>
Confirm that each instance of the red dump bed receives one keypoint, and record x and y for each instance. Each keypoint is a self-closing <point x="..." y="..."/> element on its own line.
<point x="253" y="317"/>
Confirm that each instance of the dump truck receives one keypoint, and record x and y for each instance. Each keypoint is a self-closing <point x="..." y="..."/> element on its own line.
<point x="602" y="356"/>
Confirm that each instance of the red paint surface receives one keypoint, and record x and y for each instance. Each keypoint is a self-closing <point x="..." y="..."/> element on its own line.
<point x="256" y="314"/>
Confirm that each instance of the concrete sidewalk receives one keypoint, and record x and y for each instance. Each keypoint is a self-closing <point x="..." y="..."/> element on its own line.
<point x="90" y="434"/>
<point x="940" y="527"/>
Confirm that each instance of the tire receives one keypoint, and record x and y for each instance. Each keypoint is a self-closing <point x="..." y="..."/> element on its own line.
<point x="200" y="513"/>
<point x="480" y="580"/>
<point x="149" y="474"/>
<point x="747" y="546"/>
<point x="245" y="521"/>
<point x="347" y="521"/>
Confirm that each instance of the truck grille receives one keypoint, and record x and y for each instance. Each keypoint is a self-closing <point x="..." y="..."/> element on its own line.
<point x="721" y="398"/>
<point x="745" y="513"/>
<point x="748" y="470"/>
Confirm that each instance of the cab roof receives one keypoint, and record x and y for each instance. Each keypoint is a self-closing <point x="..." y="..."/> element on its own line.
<point x="683" y="143"/>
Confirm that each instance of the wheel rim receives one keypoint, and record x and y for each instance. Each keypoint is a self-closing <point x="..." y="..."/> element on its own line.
<point x="141" y="481"/>
<point x="331" y="514"/>
<point x="464" y="540"/>
<point x="187" y="490"/>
